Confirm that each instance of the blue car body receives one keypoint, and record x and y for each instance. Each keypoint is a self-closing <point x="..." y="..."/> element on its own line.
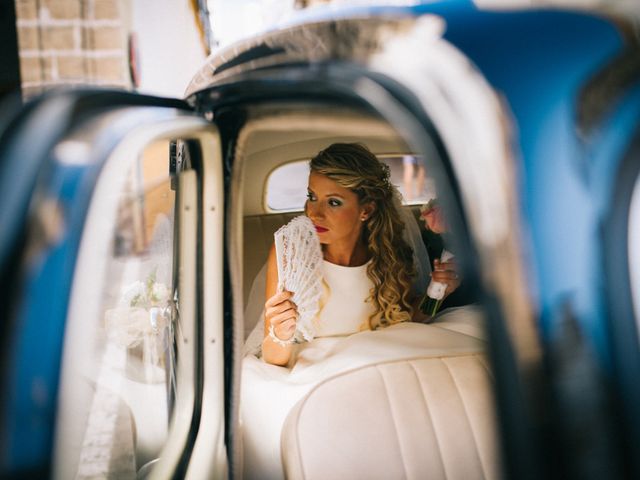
<point x="570" y="82"/>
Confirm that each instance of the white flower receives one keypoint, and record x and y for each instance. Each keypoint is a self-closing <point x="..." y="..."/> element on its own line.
<point x="159" y="293"/>
<point x="134" y="295"/>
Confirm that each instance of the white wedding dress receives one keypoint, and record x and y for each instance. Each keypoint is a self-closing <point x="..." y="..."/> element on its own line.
<point x="269" y="392"/>
<point x="343" y="343"/>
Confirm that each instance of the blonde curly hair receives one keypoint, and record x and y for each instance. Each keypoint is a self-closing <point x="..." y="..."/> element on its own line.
<point x="353" y="166"/>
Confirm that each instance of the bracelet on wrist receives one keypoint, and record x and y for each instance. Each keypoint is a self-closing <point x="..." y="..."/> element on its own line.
<point x="279" y="341"/>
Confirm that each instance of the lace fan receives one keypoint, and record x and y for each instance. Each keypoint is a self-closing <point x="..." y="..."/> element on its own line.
<point x="299" y="261"/>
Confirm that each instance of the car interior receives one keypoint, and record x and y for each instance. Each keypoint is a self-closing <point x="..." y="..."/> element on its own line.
<point x="434" y="412"/>
<point x="143" y="226"/>
<point x="428" y="412"/>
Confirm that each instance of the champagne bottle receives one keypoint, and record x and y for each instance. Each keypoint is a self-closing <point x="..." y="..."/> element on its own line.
<point x="435" y="291"/>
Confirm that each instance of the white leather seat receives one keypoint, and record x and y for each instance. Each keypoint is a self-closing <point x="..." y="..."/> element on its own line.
<point x="429" y="418"/>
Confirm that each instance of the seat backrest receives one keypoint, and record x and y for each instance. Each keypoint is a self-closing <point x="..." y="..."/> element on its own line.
<point x="425" y="418"/>
<point x="258" y="238"/>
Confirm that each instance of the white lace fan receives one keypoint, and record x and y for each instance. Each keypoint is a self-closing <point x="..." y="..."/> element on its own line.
<point x="299" y="261"/>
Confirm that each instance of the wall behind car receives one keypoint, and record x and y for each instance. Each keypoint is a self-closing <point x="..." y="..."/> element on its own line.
<point x="170" y="47"/>
<point x="154" y="46"/>
<point x="72" y="42"/>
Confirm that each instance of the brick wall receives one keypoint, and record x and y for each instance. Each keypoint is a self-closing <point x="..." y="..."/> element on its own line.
<point x="72" y="42"/>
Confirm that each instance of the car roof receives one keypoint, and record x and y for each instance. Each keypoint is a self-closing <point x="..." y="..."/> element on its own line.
<point x="310" y="35"/>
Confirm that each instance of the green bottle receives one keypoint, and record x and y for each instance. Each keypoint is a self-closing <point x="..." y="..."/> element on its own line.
<point x="435" y="291"/>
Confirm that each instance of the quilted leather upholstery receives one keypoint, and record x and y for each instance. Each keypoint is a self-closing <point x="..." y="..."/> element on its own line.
<point x="429" y="418"/>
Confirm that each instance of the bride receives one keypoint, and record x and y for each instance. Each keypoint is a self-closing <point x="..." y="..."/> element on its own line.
<point x="353" y="207"/>
<point x="372" y="280"/>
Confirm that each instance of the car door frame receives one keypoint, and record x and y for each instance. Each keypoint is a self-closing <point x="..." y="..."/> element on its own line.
<point x="80" y="108"/>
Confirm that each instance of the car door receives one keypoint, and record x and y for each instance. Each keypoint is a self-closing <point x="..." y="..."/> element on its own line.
<point x="373" y="63"/>
<point x="445" y="72"/>
<point x="112" y="262"/>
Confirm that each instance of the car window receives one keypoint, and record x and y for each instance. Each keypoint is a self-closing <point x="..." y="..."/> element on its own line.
<point x="286" y="187"/>
<point x="123" y="418"/>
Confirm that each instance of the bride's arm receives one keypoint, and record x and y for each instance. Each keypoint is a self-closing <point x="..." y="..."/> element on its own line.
<point x="279" y="312"/>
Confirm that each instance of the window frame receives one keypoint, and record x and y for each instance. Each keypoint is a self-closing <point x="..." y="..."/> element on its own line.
<point x="265" y="189"/>
<point x="197" y="319"/>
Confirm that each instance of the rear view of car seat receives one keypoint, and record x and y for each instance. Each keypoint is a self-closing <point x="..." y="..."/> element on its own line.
<point x="425" y="418"/>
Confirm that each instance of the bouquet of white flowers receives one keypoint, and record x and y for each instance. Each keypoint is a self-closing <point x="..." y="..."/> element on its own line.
<point x="139" y="318"/>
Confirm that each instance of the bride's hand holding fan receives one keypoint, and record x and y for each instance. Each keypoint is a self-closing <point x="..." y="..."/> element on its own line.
<point x="299" y="264"/>
<point x="294" y="287"/>
<point x="281" y="316"/>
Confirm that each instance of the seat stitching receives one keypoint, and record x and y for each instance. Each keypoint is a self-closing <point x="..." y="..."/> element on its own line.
<point x="433" y="425"/>
<point x="393" y="418"/>
<point x="458" y="332"/>
<point x="483" y="361"/>
<point x="467" y="417"/>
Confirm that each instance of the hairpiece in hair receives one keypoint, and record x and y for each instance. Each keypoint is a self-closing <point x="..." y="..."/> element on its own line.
<point x="386" y="172"/>
<point x="386" y="175"/>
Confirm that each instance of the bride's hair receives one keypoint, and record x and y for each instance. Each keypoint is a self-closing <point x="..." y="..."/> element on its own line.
<point x="391" y="270"/>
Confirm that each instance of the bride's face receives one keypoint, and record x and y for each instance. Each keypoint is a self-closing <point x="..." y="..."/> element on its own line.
<point x="335" y="211"/>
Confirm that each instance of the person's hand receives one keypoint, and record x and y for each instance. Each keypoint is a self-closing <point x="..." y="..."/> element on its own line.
<point x="447" y="273"/>
<point x="433" y="218"/>
<point x="282" y="313"/>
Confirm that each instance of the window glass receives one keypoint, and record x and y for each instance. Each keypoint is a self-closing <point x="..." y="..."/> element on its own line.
<point x="409" y="174"/>
<point x="287" y="184"/>
<point x="127" y="420"/>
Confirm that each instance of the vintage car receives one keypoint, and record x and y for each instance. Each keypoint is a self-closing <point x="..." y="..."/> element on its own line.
<point x="134" y="230"/>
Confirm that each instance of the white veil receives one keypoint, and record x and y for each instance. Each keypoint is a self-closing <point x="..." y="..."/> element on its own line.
<point x="412" y="236"/>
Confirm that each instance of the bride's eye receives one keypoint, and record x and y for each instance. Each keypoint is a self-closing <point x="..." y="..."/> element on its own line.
<point x="310" y="197"/>
<point x="334" y="202"/>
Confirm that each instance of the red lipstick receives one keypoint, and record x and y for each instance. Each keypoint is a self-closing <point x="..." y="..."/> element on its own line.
<point x="320" y="229"/>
